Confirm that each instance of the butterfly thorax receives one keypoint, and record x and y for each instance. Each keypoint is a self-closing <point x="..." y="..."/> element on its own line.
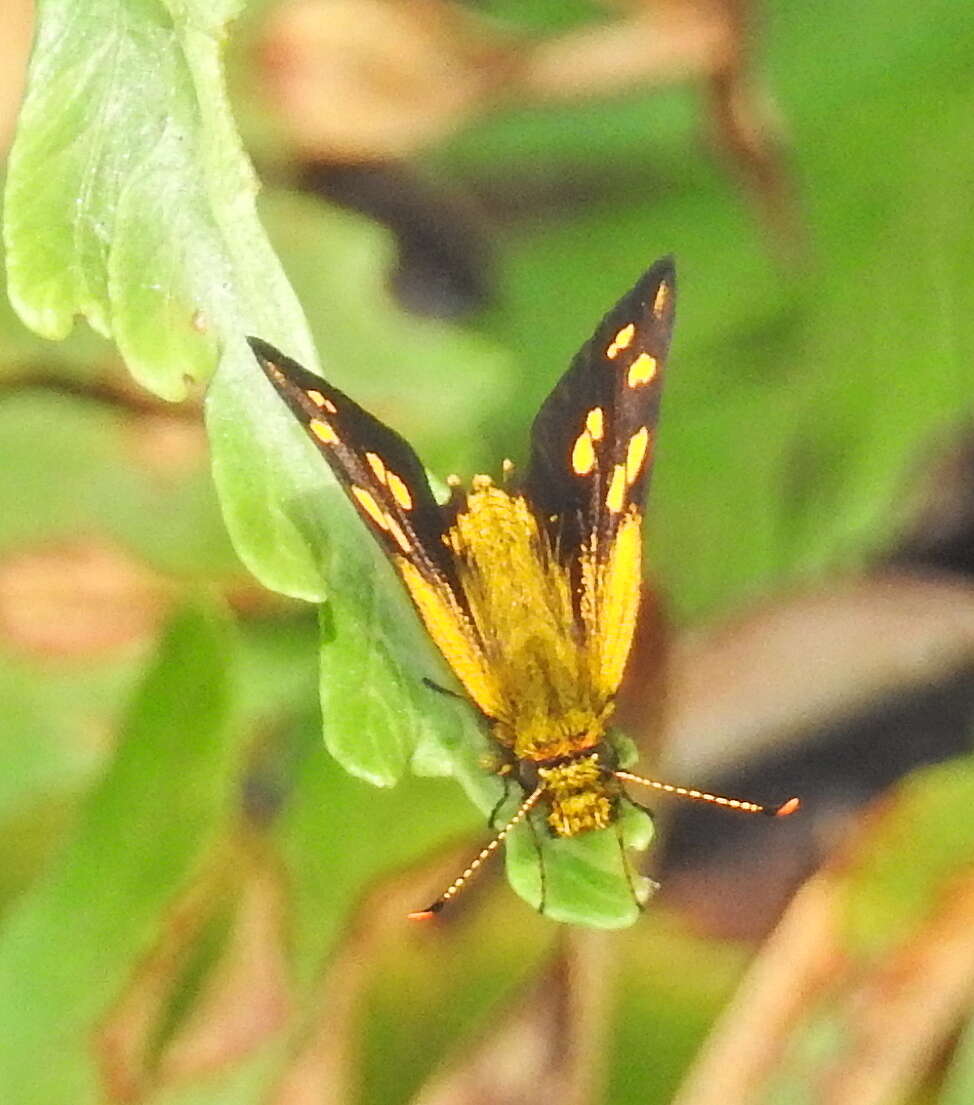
<point x="520" y="600"/>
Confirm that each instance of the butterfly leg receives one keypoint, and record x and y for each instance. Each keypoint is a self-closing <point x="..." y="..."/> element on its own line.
<point x="640" y="806"/>
<point x="444" y="690"/>
<point x="541" y="867"/>
<point x="447" y="692"/>
<point x="492" y="820"/>
<point x="627" y="870"/>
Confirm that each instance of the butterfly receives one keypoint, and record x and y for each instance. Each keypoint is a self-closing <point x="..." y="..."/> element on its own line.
<point x="529" y="589"/>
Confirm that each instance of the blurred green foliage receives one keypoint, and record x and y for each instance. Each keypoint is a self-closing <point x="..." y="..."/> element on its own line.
<point x="799" y="404"/>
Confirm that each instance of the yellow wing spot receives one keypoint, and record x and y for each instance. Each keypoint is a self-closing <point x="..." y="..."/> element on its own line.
<point x="397" y="532"/>
<point x="320" y="400"/>
<point x="400" y="492"/>
<point x="621" y="341"/>
<point x="370" y="506"/>
<point x="661" y="302"/>
<point x="323" y="431"/>
<point x="595" y="423"/>
<point x="641" y="371"/>
<point x="375" y="463"/>
<point x="636" y="454"/>
<point x="583" y="454"/>
<point x="615" y="496"/>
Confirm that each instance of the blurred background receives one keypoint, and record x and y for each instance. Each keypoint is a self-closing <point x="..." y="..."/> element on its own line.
<point x="458" y="192"/>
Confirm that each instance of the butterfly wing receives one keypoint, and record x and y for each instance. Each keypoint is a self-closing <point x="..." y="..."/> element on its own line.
<point x="377" y="468"/>
<point x="591" y="456"/>
<point x="385" y="480"/>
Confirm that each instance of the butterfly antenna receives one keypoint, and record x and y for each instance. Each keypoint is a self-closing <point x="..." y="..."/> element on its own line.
<point x="475" y="864"/>
<point x="782" y="810"/>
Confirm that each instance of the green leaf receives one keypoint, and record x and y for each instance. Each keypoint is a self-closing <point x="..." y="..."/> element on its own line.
<point x="70" y="944"/>
<point x="932" y="825"/>
<point x="582" y="880"/>
<point x="129" y="201"/>
<point x="144" y="223"/>
<point x="375" y="707"/>
<point x="100" y="167"/>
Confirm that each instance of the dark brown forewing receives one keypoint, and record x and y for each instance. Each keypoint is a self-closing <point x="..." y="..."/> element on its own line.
<point x="377" y="468"/>
<point x="594" y="420"/>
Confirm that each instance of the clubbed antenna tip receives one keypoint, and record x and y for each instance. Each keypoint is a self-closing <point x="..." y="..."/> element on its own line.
<point x="426" y="914"/>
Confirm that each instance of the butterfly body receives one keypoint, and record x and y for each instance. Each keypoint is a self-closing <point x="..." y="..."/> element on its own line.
<point x="530" y="592"/>
<point x="542" y="699"/>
